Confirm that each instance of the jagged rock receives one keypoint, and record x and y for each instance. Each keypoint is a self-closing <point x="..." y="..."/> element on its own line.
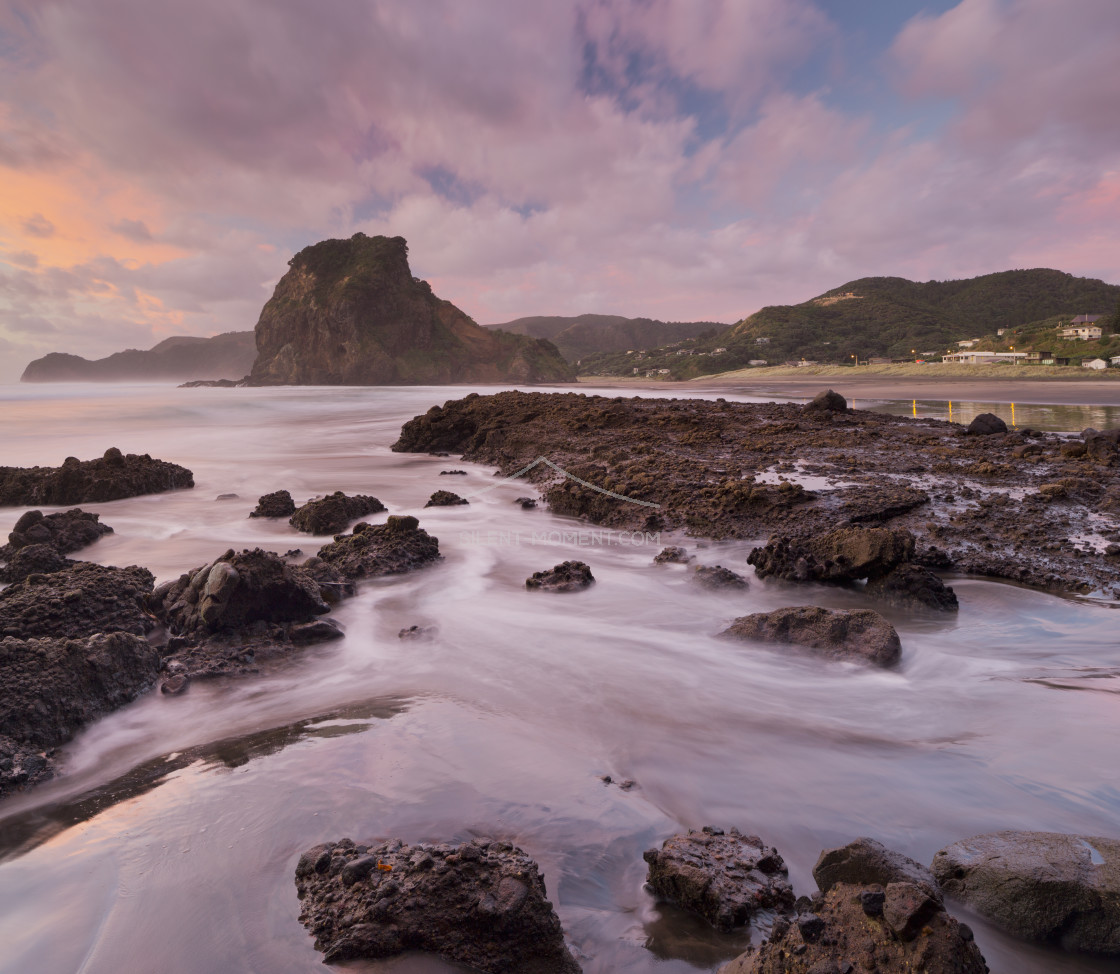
<point x="864" y="862"/>
<point x="65" y="531"/>
<point x="718" y="577"/>
<point x="349" y="312"/>
<point x="53" y="687"/>
<point x="110" y="478"/>
<point x="397" y="546"/>
<point x="33" y="559"/>
<point x="77" y="602"/>
<point x="568" y="576"/>
<point x="844" y="555"/>
<point x="482" y="904"/>
<point x="277" y="504"/>
<point x="1072" y="450"/>
<point x="986" y="424"/>
<point x="526" y="503"/>
<point x="1042" y="886"/>
<point x="445" y="498"/>
<point x="825" y="403"/>
<point x="331" y="514"/>
<point x="899" y="928"/>
<point x="1101" y="447"/>
<point x="912" y="585"/>
<point x="861" y="634"/>
<point x="673" y="555"/>
<point x="724" y="877"/>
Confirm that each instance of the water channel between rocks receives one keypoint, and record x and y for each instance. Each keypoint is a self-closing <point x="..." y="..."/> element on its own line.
<point x="170" y="842"/>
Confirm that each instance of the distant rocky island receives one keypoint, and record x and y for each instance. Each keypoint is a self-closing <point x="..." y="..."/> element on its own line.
<point x="228" y="356"/>
<point x="349" y="312"/>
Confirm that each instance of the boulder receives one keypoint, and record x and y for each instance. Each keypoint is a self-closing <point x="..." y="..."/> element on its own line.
<point x="482" y="904"/>
<point x="844" y="555"/>
<point x="77" y="602"/>
<point x="986" y="424"/>
<point x="445" y="498"/>
<point x="866" y="928"/>
<point x="33" y="559"/>
<point x="65" y="531"/>
<point x="718" y="577"/>
<point x="1042" y="886"/>
<point x="864" y="862"/>
<point x="724" y="877"/>
<point x="861" y="635"/>
<point x="1101" y="447"/>
<point x="112" y="477"/>
<point x="911" y="585"/>
<point x="526" y="503"/>
<point x="1072" y="450"/>
<point x="54" y="687"/>
<point x="673" y="555"/>
<point x="331" y="514"/>
<point x="825" y="403"/>
<point x="277" y="504"/>
<point x="397" y="546"/>
<point x="568" y="576"/>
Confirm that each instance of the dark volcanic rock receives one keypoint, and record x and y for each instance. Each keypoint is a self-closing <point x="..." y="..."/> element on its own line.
<point x="568" y="576"/>
<point x="844" y="555"/>
<point x="277" y="504"/>
<point x="716" y="576"/>
<point x="397" y="546"/>
<point x="482" y="904"/>
<point x="725" y="878"/>
<point x="65" y="531"/>
<point x="865" y="861"/>
<point x="986" y="424"/>
<point x="77" y="602"/>
<point x="111" y="478"/>
<point x="331" y="514"/>
<point x="349" y="312"/>
<point x="445" y="498"/>
<point x="1041" y="886"/>
<point x="907" y="931"/>
<point x="33" y="559"/>
<point x="53" y="687"/>
<point x="860" y="635"/>
<point x="826" y="402"/>
<point x="913" y="585"/>
<point x="673" y="555"/>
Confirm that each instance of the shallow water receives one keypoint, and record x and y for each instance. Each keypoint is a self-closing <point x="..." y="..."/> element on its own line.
<point x="171" y="840"/>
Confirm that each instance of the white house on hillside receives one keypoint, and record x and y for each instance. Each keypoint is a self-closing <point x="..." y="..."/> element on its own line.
<point x="1095" y="363"/>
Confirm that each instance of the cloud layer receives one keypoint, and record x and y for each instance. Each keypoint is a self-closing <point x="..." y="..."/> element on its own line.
<point x="684" y="159"/>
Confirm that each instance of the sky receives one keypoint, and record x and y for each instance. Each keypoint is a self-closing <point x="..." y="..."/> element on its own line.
<point x="160" y="162"/>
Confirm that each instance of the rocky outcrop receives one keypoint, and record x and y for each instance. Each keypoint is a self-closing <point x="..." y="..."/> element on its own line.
<point x="445" y="498"/>
<point x="331" y="514"/>
<point x="1042" y="886"/>
<point x="866" y="928"/>
<point x="33" y="559"/>
<point x="482" y="904"/>
<point x="568" y="576"/>
<point x="861" y="635"/>
<point x="673" y="555"/>
<point x="845" y="555"/>
<point x="397" y="546"/>
<point x="913" y="586"/>
<point x="718" y="577"/>
<point x="65" y="531"/>
<point x="349" y="312"/>
<point x="724" y="877"/>
<point x="77" y="602"/>
<point x="986" y="424"/>
<point x="53" y="687"/>
<point x="865" y="861"/>
<point x="111" y="478"/>
<point x="825" y="403"/>
<point x="277" y="504"/>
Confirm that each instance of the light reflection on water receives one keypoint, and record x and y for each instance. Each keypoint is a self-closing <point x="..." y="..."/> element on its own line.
<point x="502" y="722"/>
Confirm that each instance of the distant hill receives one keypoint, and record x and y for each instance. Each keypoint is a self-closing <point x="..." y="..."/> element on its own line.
<point x="879" y="317"/>
<point x="583" y="335"/>
<point x="349" y="312"/>
<point x="228" y="356"/>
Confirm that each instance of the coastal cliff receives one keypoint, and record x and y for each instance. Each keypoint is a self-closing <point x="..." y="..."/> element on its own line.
<point x="349" y="312"/>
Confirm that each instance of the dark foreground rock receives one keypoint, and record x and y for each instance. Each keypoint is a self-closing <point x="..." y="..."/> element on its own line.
<point x="986" y="424"/>
<point x="397" y="546"/>
<point x="845" y="555"/>
<point x="860" y="929"/>
<point x="482" y="904"/>
<point x="112" y="477"/>
<point x="1041" y="886"/>
<point x="445" y="498"/>
<point x="78" y="602"/>
<point x="33" y="559"/>
<point x="724" y="877"/>
<point x="718" y="577"/>
<point x="826" y="402"/>
<point x="568" y="576"/>
<point x="277" y="504"/>
<point x="331" y="514"/>
<point x="673" y="555"/>
<point x="912" y="585"/>
<point x="861" y="635"/>
<point x="865" y="861"/>
<point x="54" y="687"/>
<point x="65" y="531"/>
